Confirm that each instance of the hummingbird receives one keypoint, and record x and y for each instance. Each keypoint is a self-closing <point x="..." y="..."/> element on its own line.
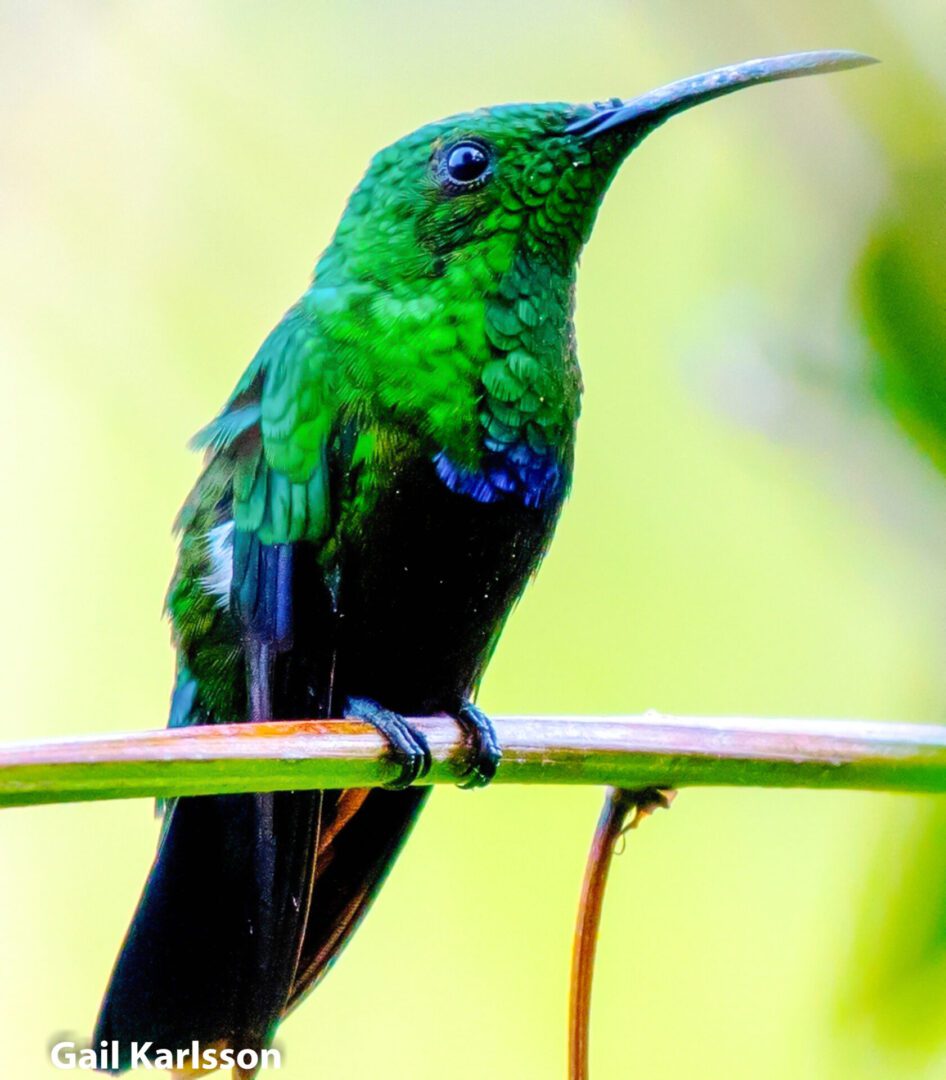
<point x="376" y="493"/>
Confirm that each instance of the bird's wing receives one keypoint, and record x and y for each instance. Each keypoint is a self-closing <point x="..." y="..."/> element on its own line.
<point x="231" y="882"/>
<point x="264" y="488"/>
<point x="276" y="429"/>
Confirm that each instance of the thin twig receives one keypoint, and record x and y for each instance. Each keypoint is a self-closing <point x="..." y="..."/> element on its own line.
<point x="611" y="827"/>
<point x="610" y="824"/>
<point x="623" y="751"/>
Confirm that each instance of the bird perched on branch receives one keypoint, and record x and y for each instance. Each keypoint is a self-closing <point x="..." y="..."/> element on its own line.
<point x="379" y="488"/>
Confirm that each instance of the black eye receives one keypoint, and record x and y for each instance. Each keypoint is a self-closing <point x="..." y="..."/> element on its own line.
<point x="466" y="163"/>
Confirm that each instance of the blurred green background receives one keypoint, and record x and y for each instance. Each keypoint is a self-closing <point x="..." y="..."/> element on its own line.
<point x="758" y="523"/>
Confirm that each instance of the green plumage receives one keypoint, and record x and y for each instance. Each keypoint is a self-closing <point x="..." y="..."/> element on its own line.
<point x="431" y="324"/>
<point x="377" y="491"/>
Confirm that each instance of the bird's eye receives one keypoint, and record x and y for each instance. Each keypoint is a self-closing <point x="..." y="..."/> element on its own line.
<point x="466" y="164"/>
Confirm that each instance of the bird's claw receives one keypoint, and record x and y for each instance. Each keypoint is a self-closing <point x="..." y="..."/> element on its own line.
<point x="408" y="746"/>
<point x="485" y="750"/>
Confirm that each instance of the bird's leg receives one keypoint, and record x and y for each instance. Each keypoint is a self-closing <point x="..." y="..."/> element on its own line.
<point x="485" y="751"/>
<point x="409" y="747"/>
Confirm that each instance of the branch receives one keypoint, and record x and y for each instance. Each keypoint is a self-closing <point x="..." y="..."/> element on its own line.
<point x="618" y="803"/>
<point x="650" y="750"/>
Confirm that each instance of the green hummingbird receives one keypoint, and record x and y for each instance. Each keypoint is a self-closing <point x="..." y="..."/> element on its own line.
<point x="377" y="491"/>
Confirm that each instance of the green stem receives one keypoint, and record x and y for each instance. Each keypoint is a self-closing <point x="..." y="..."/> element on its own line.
<point x="650" y="750"/>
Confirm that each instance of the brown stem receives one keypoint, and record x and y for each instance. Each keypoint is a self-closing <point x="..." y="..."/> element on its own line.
<point x="618" y="804"/>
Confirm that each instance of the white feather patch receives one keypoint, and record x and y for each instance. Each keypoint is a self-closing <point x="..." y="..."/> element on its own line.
<point x="220" y="555"/>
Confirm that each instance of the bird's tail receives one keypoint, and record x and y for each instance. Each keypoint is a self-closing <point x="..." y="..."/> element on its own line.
<point x="212" y="951"/>
<point x="249" y="901"/>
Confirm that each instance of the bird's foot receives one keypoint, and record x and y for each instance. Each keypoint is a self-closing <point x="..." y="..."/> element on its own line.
<point x="485" y="751"/>
<point x="409" y="748"/>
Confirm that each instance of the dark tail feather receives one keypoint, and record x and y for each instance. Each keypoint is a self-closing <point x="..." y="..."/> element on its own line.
<point x="212" y="950"/>
<point x="362" y="833"/>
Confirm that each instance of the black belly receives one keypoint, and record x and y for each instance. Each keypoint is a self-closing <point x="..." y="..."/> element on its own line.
<point x="425" y="588"/>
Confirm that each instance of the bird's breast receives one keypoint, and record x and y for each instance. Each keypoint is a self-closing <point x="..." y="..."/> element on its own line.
<point x="426" y="584"/>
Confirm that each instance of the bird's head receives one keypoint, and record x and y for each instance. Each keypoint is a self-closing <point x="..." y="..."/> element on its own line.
<point x="471" y="192"/>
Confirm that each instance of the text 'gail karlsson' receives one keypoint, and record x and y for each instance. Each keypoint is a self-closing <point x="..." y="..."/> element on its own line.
<point x="112" y="1057"/>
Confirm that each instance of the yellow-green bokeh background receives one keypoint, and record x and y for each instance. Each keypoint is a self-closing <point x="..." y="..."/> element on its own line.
<point x="168" y="173"/>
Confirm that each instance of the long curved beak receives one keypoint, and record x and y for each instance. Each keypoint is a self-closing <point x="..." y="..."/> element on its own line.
<point x="643" y="114"/>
